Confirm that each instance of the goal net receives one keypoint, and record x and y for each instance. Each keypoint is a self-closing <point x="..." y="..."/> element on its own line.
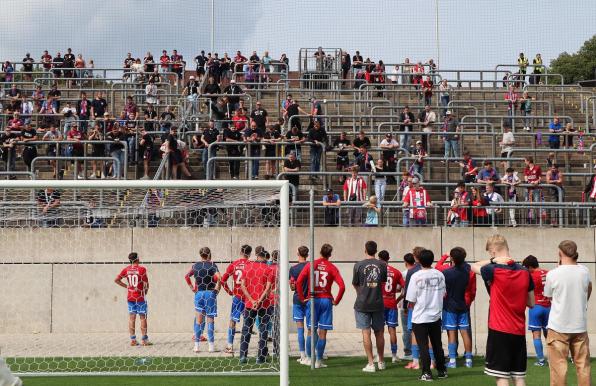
<point x="198" y="266"/>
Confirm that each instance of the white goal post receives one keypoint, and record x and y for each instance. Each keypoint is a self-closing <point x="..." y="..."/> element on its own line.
<point x="28" y="190"/>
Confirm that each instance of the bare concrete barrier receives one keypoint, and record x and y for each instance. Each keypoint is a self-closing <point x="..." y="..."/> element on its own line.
<point x="61" y="280"/>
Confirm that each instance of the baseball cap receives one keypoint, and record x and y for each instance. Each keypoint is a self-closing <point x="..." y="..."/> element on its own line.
<point x="329" y="190"/>
<point x="448" y="112"/>
<point x="191" y="77"/>
<point x="232" y="81"/>
<point x="418" y="142"/>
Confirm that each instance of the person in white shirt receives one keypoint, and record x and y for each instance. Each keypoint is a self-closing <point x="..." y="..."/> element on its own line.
<point x="425" y="299"/>
<point x="569" y="286"/>
<point x="444" y="90"/>
<point x="506" y="143"/>
<point x="492" y="196"/>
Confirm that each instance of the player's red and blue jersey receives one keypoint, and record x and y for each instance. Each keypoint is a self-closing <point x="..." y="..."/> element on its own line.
<point x="325" y="275"/>
<point x="539" y="278"/>
<point x="393" y="285"/>
<point x="236" y="270"/>
<point x="508" y="286"/>
<point x="294" y="273"/>
<point x="256" y="275"/>
<point x="273" y="275"/>
<point x="136" y="276"/>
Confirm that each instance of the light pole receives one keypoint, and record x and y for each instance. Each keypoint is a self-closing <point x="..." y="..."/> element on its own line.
<point x="437" y="31"/>
<point x="212" y="25"/>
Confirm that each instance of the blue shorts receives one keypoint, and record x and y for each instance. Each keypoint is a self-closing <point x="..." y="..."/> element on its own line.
<point x="538" y="318"/>
<point x="299" y="312"/>
<point x="237" y="309"/>
<point x="410" y="311"/>
<point x="206" y="303"/>
<point x="391" y="317"/>
<point x="137" y="308"/>
<point x="453" y="321"/>
<point x="323" y="313"/>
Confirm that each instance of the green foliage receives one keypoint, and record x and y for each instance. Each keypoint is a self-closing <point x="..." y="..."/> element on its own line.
<point x="578" y="66"/>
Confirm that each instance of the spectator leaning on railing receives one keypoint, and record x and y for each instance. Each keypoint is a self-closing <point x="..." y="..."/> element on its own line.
<point x="331" y="203"/>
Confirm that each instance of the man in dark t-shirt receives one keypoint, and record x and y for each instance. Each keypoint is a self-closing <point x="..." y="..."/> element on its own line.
<point x="259" y="116"/>
<point x="368" y="278"/>
<point x="292" y="164"/>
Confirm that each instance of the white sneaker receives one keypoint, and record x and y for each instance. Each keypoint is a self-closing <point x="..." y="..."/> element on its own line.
<point x="320" y="365"/>
<point x="306" y="361"/>
<point x="196" y="349"/>
<point x="381" y="365"/>
<point x="394" y="359"/>
<point x="369" y="368"/>
<point x="211" y="347"/>
<point x="301" y="358"/>
<point x="144" y="178"/>
<point x="81" y="176"/>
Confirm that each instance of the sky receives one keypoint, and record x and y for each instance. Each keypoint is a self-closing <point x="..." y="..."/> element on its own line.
<point x="473" y="34"/>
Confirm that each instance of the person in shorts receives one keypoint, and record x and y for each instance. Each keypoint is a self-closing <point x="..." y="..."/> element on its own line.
<point x="369" y="276"/>
<point x="511" y="289"/>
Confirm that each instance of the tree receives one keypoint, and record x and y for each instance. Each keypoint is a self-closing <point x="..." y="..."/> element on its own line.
<point x="578" y="66"/>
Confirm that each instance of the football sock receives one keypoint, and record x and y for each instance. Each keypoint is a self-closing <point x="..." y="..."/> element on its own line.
<point x="133" y="337"/>
<point x="300" y="331"/>
<point x="231" y="332"/>
<point x="145" y="337"/>
<point x="393" y="348"/>
<point x="308" y="343"/>
<point x="211" y="332"/>
<point x="415" y="353"/>
<point x="468" y="355"/>
<point x="452" y="348"/>
<point x="321" y="348"/>
<point x="539" y="349"/>
<point x="200" y="331"/>
<point x="196" y="330"/>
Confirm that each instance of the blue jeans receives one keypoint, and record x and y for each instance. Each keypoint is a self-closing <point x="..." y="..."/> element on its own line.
<point x="255" y="151"/>
<point x="451" y="147"/>
<point x="404" y="139"/>
<point x="205" y="158"/>
<point x="380" y="186"/>
<point x="406" y="217"/>
<point x="119" y="155"/>
<point x="444" y="102"/>
<point x="315" y="158"/>
<point x="132" y="148"/>
<point x="406" y="334"/>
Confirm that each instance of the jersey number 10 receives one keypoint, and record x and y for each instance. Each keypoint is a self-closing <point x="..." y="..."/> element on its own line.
<point x="133" y="281"/>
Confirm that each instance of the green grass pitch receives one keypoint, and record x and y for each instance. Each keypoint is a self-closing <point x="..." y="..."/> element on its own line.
<point x="341" y="371"/>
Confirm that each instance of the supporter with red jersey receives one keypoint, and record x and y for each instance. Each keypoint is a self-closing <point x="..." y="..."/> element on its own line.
<point x="418" y="200"/>
<point x="256" y="284"/>
<point x="511" y="289"/>
<point x="394" y="285"/>
<point x="137" y="287"/>
<point x="532" y="176"/>
<point x="325" y="274"/>
<point x="236" y="271"/>
<point x="469" y="169"/>
<point x="538" y="315"/>
<point x="465" y="200"/>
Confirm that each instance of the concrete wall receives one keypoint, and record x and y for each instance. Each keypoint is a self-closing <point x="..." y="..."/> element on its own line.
<point x="49" y="293"/>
